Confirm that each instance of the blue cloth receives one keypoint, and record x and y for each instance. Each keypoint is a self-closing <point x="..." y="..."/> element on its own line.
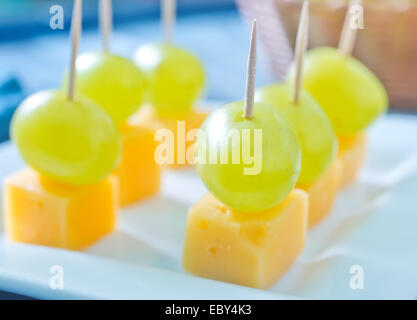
<point x="11" y="94"/>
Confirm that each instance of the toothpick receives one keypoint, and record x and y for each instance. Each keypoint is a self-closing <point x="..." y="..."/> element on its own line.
<point x="75" y="38"/>
<point x="251" y="76"/>
<point x="106" y="22"/>
<point x="300" y="49"/>
<point x="348" y="35"/>
<point x="169" y="12"/>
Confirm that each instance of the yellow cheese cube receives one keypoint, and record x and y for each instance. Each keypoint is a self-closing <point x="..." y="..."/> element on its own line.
<point x="138" y="172"/>
<point x="351" y="154"/>
<point x="250" y="249"/>
<point x="322" y="192"/>
<point x="180" y="128"/>
<point x="42" y="211"/>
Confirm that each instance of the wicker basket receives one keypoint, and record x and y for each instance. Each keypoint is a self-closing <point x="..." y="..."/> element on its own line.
<point x="387" y="44"/>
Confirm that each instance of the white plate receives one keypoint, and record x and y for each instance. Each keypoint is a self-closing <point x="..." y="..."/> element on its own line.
<point x="373" y="225"/>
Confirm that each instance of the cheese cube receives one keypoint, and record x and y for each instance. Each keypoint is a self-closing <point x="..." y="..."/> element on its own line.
<point x="250" y="249"/>
<point x="138" y="172"/>
<point x="181" y="129"/>
<point x="352" y="151"/>
<point x="322" y="192"/>
<point x="42" y="211"/>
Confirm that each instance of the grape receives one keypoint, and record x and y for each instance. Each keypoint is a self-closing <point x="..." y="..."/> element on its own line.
<point x="71" y="141"/>
<point x="175" y="78"/>
<point x="349" y="92"/>
<point x="113" y="82"/>
<point x="239" y="184"/>
<point x="313" y="128"/>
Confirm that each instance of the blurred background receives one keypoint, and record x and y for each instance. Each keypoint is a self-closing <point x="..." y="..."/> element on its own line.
<point x="33" y="56"/>
<point x="387" y="44"/>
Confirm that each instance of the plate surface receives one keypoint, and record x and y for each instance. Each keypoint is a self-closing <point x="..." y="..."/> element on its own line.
<point x="371" y="233"/>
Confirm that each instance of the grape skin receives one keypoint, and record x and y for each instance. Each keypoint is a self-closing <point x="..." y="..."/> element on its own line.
<point x="175" y="78"/>
<point x="71" y="141"/>
<point x="313" y="128"/>
<point x="349" y="93"/>
<point x="280" y="158"/>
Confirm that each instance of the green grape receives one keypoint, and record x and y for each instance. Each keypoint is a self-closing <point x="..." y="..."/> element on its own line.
<point x="114" y="83"/>
<point x="70" y="141"/>
<point x="313" y="128"/>
<point x="349" y="92"/>
<point x="175" y="78"/>
<point x="241" y="184"/>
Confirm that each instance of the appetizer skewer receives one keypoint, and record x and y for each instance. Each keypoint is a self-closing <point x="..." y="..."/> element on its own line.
<point x="67" y="198"/>
<point x="251" y="226"/>
<point x="314" y="131"/>
<point x="349" y="93"/>
<point x="175" y="79"/>
<point x="118" y="85"/>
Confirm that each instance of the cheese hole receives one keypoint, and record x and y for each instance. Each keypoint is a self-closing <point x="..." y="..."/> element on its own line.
<point x="222" y="209"/>
<point x="203" y="225"/>
<point x="256" y="234"/>
<point x="39" y="204"/>
<point x="213" y="250"/>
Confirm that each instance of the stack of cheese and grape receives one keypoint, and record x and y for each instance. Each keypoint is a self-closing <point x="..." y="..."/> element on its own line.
<point x="249" y="229"/>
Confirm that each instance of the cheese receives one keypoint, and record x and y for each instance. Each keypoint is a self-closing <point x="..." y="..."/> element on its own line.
<point x="42" y="211"/>
<point x="138" y="172"/>
<point x="182" y="133"/>
<point x="250" y="249"/>
<point x="322" y="193"/>
<point x="352" y="151"/>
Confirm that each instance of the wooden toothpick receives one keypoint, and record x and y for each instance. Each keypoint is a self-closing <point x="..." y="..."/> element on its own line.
<point x="348" y="35"/>
<point x="251" y="76"/>
<point x="75" y="38"/>
<point x="169" y="12"/>
<point x="300" y="49"/>
<point x="106" y="22"/>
